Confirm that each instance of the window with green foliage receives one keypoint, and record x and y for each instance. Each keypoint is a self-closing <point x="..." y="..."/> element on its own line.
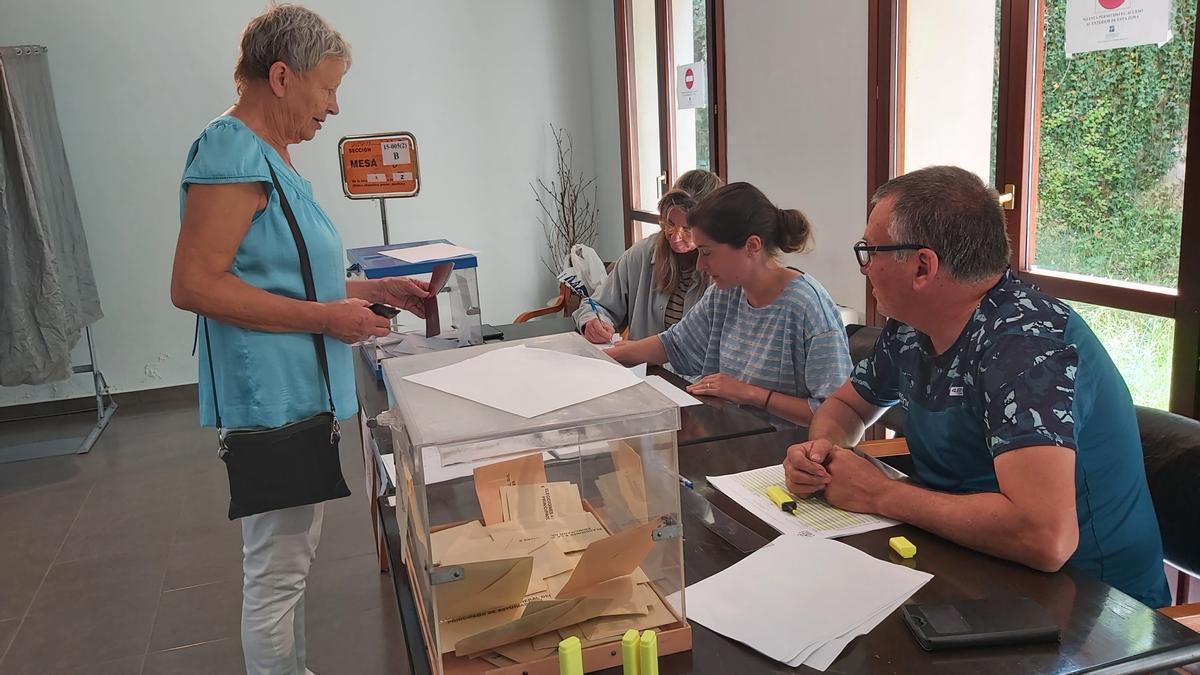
<point x="1112" y="140"/>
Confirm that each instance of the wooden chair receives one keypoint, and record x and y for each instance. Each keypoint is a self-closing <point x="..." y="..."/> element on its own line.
<point x="1171" y="449"/>
<point x="562" y="304"/>
<point x="567" y="302"/>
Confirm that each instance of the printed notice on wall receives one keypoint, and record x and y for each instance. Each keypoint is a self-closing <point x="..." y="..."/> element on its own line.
<point x="690" y="88"/>
<point x="1093" y="25"/>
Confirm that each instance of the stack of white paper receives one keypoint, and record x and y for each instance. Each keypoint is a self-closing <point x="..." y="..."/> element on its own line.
<point x="416" y="254"/>
<point x="801" y="600"/>
<point x="813" y="517"/>
<point x="527" y="381"/>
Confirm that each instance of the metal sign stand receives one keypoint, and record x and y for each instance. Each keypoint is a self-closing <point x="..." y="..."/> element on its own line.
<point x="387" y="240"/>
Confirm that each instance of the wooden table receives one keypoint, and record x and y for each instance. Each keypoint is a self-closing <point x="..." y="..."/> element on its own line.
<point x="1101" y="625"/>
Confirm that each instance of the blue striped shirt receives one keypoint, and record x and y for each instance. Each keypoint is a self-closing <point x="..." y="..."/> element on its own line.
<point x="795" y="345"/>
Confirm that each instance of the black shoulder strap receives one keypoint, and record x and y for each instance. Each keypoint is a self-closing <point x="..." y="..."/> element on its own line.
<point x="310" y="294"/>
<point x="212" y="376"/>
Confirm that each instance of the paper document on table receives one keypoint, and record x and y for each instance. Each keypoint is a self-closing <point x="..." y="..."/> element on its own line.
<point x="405" y="344"/>
<point x="416" y="254"/>
<point x="678" y="396"/>
<point x="389" y="465"/>
<point x="813" y="517"/>
<point x="527" y="381"/>
<point x="754" y="601"/>
<point x="613" y="341"/>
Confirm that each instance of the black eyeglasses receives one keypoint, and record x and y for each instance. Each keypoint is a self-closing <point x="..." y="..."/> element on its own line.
<point x="864" y="251"/>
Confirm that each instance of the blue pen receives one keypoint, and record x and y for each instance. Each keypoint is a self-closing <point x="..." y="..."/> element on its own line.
<point x="687" y="483"/>
<point x="592" y="303"/>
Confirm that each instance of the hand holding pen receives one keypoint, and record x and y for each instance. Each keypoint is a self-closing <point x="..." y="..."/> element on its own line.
<point x="597" y="330"/>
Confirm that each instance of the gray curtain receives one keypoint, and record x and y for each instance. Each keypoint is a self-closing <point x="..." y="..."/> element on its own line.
<point x="47" y="291"/>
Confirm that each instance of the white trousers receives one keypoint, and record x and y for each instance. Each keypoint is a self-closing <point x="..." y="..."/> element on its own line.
<point x="278" y="548"/>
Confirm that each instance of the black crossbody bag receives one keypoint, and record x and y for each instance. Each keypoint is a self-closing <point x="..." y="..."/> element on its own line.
<point x="292" y="465"/>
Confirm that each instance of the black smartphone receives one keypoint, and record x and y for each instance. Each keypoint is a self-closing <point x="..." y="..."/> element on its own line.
<point x="1011" y="620"/>
<point x="490" y="332"/>
<point x="386" y="311"/>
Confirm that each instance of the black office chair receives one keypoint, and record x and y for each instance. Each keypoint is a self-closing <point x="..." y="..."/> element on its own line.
<point x="1171" y="448"/>
<point x="862" y="341"/>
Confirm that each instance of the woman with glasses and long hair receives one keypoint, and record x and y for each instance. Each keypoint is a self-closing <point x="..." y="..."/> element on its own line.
<point x="655" y="282"/>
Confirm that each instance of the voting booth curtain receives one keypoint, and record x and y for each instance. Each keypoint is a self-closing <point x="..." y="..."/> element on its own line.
<point x="47" y="290"/>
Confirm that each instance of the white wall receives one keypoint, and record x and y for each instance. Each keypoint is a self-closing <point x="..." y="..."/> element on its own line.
<point x="949" y="41"/>
<point x="606" y="129"/>
<point x="797" y="122"/>
<point x="476" y="82"/>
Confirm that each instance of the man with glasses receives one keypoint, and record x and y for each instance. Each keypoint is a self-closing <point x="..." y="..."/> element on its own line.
<point x="1022" y="432"/>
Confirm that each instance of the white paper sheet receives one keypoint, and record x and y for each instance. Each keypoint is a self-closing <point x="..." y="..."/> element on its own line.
<point x="436" y="473"/>
<point x="416" y="254"/>
<point x="813" y="518"/>
<point x="527" y="381"/>
<point x="1092" y="25"/>
<point x="404" y="344"/>
<point x="612" y="342"/>
<point x="823" y="656"/>
<point x="853" y="590"/>
<point x="389" y="465"/>
<point x="678" y="396"/>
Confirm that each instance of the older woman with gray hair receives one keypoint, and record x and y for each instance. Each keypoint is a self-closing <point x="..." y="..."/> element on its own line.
<point x="238" y="264"/>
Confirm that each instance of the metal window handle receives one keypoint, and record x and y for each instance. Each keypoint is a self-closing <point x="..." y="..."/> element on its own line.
<point x="1008" y="198"/>
<point x="662" y="184"/>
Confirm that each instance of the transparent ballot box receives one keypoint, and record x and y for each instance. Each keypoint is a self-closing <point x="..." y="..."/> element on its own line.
<point x="521" y="528"/>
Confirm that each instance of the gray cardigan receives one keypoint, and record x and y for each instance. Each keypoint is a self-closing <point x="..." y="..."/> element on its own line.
<point x="628" y="297"/>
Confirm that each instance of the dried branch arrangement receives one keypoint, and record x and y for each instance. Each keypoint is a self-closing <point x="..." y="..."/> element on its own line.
<point x="568" y="204"/>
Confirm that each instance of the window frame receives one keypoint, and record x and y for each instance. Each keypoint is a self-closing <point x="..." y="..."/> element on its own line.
<point x="1018" y="115"/>
<point x="718" y="144"/>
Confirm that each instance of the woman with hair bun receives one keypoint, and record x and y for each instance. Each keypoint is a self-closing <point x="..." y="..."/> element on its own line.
<point x="764" y="335"/>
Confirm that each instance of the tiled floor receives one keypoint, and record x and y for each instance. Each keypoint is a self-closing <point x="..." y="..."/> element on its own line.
<point x="122" y="562"/>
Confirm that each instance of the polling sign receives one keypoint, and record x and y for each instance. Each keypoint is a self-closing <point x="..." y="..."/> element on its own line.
<point x="379" y="166"/>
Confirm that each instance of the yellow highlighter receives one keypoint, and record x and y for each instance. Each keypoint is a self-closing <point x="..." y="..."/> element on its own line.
<point x="570" y="657"/>
<point x="782" y="498"/>
<point x="902" y="546"/>
<point x="629" y="652"/>
<point x="648" y="653"/>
